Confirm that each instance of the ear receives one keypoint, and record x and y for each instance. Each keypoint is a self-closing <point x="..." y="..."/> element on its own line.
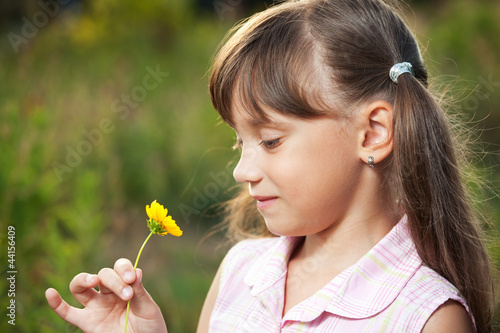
<point x="376" y="131"/>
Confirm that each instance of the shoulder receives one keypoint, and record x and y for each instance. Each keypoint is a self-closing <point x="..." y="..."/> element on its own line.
<point x="449" y="317"/>
<point x="429" y="285"/>
<point x="231" y="273"/>
<point x="250" y="249"/>
<point x="437" y="302"/>
<point x="242" y="254"/>
<point x="431" y="289"/>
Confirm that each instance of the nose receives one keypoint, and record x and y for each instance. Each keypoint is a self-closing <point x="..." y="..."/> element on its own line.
<point x="247" y="170"/>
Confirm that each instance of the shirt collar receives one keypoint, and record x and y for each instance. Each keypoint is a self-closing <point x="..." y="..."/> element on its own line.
<point x="360" y="291"/>
<point x="271" y="266"/>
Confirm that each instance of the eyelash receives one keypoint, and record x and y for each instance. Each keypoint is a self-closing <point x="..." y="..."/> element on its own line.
<point x="268" y="144"/>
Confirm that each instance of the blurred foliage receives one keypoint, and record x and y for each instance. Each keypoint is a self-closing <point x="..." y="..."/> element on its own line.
<point x="85" y="144"/>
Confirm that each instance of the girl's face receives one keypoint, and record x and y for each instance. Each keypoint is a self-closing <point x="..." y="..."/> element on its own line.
<point x="303" y="173"/>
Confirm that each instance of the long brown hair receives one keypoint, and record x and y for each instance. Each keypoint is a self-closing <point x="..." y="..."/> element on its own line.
<point x="272" y="59"/>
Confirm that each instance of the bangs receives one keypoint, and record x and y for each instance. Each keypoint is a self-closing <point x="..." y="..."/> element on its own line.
<point x="269" y="62"/>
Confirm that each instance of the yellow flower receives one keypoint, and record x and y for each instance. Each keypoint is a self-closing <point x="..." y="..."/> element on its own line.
<point x="159" y="223"/>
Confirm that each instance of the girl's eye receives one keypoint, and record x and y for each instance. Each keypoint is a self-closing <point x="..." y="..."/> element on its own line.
<point x="270" y="144"/>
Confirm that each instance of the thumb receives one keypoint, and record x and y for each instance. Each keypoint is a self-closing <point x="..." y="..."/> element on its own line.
<point x="142" y="304"/>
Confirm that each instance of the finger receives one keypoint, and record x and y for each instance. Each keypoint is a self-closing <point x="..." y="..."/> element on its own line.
<point x="142" y="303"/>
<point x="61" y="308"/>
<point x="111" y="282"/>
<point x="82" y="287"/>
<point x="125" y="269"/>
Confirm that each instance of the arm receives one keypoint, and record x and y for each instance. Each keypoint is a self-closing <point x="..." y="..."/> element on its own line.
<point x="104" y="310"/>
<point x="209" y="304"/>
<point x="449" y="317"/>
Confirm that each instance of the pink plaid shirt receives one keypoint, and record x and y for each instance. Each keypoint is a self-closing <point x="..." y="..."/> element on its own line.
<point x="387" y="290"/>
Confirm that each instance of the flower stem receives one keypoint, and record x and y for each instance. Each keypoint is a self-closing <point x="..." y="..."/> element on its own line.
<point x="142" y="248"/>
<point x="135" y="266"/>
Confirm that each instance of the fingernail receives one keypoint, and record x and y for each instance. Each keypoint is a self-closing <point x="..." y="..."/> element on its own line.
<point x="126" y="292"/>
<point x="89" y="278"/>
<point x="128" y="276"/>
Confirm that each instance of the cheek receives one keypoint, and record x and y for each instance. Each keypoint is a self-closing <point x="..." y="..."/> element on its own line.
<point x="323" y="180"/>
<point x="322" y="168"/>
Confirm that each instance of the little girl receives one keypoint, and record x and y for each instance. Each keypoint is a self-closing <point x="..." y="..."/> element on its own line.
<point x="349" y="159"/>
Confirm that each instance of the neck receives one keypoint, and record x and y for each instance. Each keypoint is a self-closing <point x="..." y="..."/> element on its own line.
<point x="370" y="218"/>
<point x="325" y="254"/>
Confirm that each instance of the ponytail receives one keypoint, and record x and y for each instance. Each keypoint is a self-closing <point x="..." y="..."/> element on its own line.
<point x="431" y="192"/>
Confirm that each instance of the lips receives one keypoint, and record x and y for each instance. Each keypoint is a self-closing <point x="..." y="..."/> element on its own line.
<point x="264" y="202"/>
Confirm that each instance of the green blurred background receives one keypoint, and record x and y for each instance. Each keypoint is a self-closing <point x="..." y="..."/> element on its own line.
<point x="104" y="107"/>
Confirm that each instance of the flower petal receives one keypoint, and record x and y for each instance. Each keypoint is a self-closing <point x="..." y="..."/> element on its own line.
<point x="169" y="224"/>
<point x="151" y="211"/>
<point x="154" y="210"/>
<point x="160" y="213"/>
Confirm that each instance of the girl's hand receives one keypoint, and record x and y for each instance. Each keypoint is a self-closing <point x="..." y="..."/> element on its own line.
<point x="105" y="309"/>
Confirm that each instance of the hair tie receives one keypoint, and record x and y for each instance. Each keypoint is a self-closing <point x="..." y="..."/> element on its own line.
<point x="398" y="69"/>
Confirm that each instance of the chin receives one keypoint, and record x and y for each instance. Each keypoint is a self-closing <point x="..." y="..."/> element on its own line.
<point x="283" y="229"/>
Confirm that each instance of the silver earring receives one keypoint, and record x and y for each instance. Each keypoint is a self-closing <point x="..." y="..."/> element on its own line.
<point x="371" y="164"/>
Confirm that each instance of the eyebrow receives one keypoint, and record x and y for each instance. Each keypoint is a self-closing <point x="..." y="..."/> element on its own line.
<point x="259" y="122"/>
